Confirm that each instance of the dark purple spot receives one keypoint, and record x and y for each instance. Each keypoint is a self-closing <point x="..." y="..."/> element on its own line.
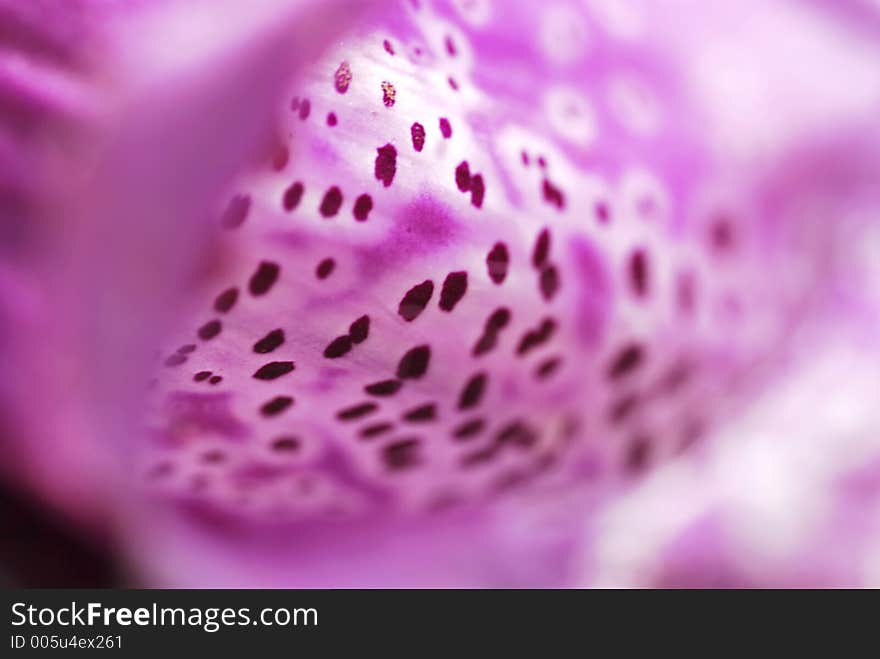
<point x="279" y="161"/>
<point x="213" y="457"/>
<point x="415" y="300"/>
<point x="305" y="107"/>
<point x="675" y="378"/>
<point x="338" y="347"/>
<point x="325" y="268"/>
<point x="402" y="454"/>
<point x="273" y="370"/>
<point x="603" y="212"/>
<point x="548" y="367"/>
<point x="463" y="176"/>
<point x="621" y="409"/>
<point x="536" y="337"/>
<point x="553" y="195"/>
<point x="359" y="329"/>
<point x="497" y="262"/>
<point x="269" y="342"/>
<point x="226" y="300"/>
<point x="201" y="376"/>
<point x="524" y="157"/>
<point x="376" y="429"/>
<point x="386" y="164"/>
<point x="286" y="444"/>
<point x="384" y="388"/>
<point x="478" y="190"/>
<point x="479" y="457"/>
<point x="450" y="46"/>
<point x="216" y="379"/>
<point x="542" y="249"/>
<point x="209" y="330"/>
<point x="362" y="207"/>
<point x="331" y="202"/>
<point x="495" y="323"/>
<point x="356" y="411"/>
<point x="414" y="364"/>
<point x="422" y="413"/>
<point x="628" y="359"/>
<point x="518" y="434"/>
<point x="276" y="405"/>
<point x="473" y="391"/>
<point x="638" y="454"/>
<point x="454" y="288"/>
<point x="417" y="131"/>
<point x="485" y="343"/>
<point x="331" y="119"/>
<point x="292" y="196"/>
<point x="498" y="319"/>
<point x="469" y="429"/>
<point x="721" y="235"/>
<point x="452" y="83"/>
<point x="187" y="349"/>
<point x="638" y="272"/>
<point x="264" y="278"/>
<point x="445" y="128"/>
<point x="549" y="282"/>
<point x="236" y="212"/>
<point x="342" y="77"/>
<point x="388" y="47"/>
<point x="389" y="94"/>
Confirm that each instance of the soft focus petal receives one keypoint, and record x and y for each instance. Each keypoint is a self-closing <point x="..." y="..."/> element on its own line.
<point x="616" y="226"/>
<point x="493" y="267"/>
<point x="788" y="495"/>
<point x="104" y="232"/>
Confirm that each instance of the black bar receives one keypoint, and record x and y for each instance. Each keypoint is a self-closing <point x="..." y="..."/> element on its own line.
<point x="354" y="623"/>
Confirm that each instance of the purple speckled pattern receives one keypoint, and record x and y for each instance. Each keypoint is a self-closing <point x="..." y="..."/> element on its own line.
<point x="621" y="313"/>
<point x="449" y="293"/>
